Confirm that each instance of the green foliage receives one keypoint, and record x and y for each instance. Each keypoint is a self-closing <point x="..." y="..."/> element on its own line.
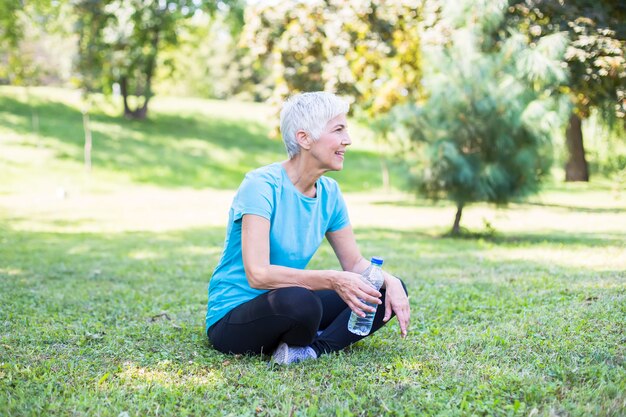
<point x="484" y="132"/>
<point x="207" y="62"/>
<point x="368" y="51"/>
<point x="10" y="29"/>
<point x="29" y="33"/>
<point x="596" y="55"/>
<point x="595" y="59"/>
<point x="120" y="40"/>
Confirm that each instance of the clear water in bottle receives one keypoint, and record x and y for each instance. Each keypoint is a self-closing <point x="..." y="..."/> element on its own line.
<point x="374" y="276"/>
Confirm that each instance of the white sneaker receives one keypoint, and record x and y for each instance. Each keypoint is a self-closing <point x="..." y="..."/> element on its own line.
<point x="285" y="354"/>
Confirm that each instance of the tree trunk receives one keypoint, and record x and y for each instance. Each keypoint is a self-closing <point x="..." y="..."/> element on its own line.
<point x="34" y="116"/>
<point x="143" y="111"/>
<point x="140" y="113"/>
<point x="124" y="91"/>
<point x="88" y="140"/>
<point x="576" y="168"/>
<point x="456" y="228"/>
<point x="385" y="174"/>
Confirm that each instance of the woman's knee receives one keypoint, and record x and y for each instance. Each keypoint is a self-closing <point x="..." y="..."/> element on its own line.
<point x="296" y="302"/>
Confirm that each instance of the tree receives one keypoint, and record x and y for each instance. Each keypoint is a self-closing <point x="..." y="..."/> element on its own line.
<point x="207" y="50"/>
<point x="22" y="26"/>
<point x="483" y="134"/>
<point x="595" y="59"/>
<point x="32" y="41"/>
<point x="10" y="30"/>
<point x="120" y="41"/>
<point x="366" y="50"/>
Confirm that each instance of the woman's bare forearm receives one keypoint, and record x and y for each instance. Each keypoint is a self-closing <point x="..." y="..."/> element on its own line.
<point x="269" y="277"/>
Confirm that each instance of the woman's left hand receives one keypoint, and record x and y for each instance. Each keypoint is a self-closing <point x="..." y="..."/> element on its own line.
<point x="397" y="301"/>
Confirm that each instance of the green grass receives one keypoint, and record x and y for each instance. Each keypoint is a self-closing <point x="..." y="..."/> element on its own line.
<point x="103" y="288"/>
<point x="191" y="143"/>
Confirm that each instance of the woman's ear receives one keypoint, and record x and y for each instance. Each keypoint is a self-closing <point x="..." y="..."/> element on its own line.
<point x="303" y="139"/>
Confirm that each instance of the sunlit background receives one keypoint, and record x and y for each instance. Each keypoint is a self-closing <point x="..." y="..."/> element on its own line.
<point x="488" y="168"/>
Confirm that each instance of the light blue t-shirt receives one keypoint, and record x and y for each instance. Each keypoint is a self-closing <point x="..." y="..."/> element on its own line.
<point x="298" y="225"/>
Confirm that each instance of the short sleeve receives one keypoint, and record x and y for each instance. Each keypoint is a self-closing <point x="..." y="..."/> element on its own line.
<point x="255" y="196"/>
<point x="339" y="218"/>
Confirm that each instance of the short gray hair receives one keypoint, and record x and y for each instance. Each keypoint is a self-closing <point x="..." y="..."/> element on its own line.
<point x="309" y="112"/>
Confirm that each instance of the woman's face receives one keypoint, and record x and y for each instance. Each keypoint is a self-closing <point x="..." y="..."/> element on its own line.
<point x="330" y="148"/>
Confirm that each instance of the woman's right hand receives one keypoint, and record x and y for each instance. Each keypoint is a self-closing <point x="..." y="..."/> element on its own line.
<point x="354" y="290"/>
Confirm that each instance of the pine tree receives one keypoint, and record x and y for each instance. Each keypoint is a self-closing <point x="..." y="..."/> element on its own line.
<point x="483" y="134"/>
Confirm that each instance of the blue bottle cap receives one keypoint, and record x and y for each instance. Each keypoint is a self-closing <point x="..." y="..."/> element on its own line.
<point x="377" y="261"/>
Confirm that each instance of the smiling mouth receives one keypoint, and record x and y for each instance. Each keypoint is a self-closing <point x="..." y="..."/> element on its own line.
<point x="340" y="153"/>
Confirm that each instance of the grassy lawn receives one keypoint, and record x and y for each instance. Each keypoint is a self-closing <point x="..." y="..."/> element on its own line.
<point x="103" y="281"/>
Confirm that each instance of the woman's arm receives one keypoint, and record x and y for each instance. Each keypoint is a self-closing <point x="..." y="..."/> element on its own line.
<point x="261" y="274"/>
<point x="347" y="251"/>
<point x="345" y="247"/>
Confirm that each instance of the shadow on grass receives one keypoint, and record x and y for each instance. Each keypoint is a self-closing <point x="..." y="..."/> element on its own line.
<point x="414" y="202"/>
<point x="534" y="239"/>
<point x="468" y="238"/>
<point x="167" y="150"/>
<point x="170" y="150"/>
<point x="591" y="210"/>
<point x="566" y="239"/>
<point x="420" y="202"/>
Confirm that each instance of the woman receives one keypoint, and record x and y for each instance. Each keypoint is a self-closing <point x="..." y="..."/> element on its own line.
<point x="261" y="298"/>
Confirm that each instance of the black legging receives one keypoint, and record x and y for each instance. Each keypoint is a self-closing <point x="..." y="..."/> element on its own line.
<point x="292" y="315"/>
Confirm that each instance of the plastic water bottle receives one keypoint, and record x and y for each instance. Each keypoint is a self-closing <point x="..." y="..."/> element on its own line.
<point x="374" y="276"/>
